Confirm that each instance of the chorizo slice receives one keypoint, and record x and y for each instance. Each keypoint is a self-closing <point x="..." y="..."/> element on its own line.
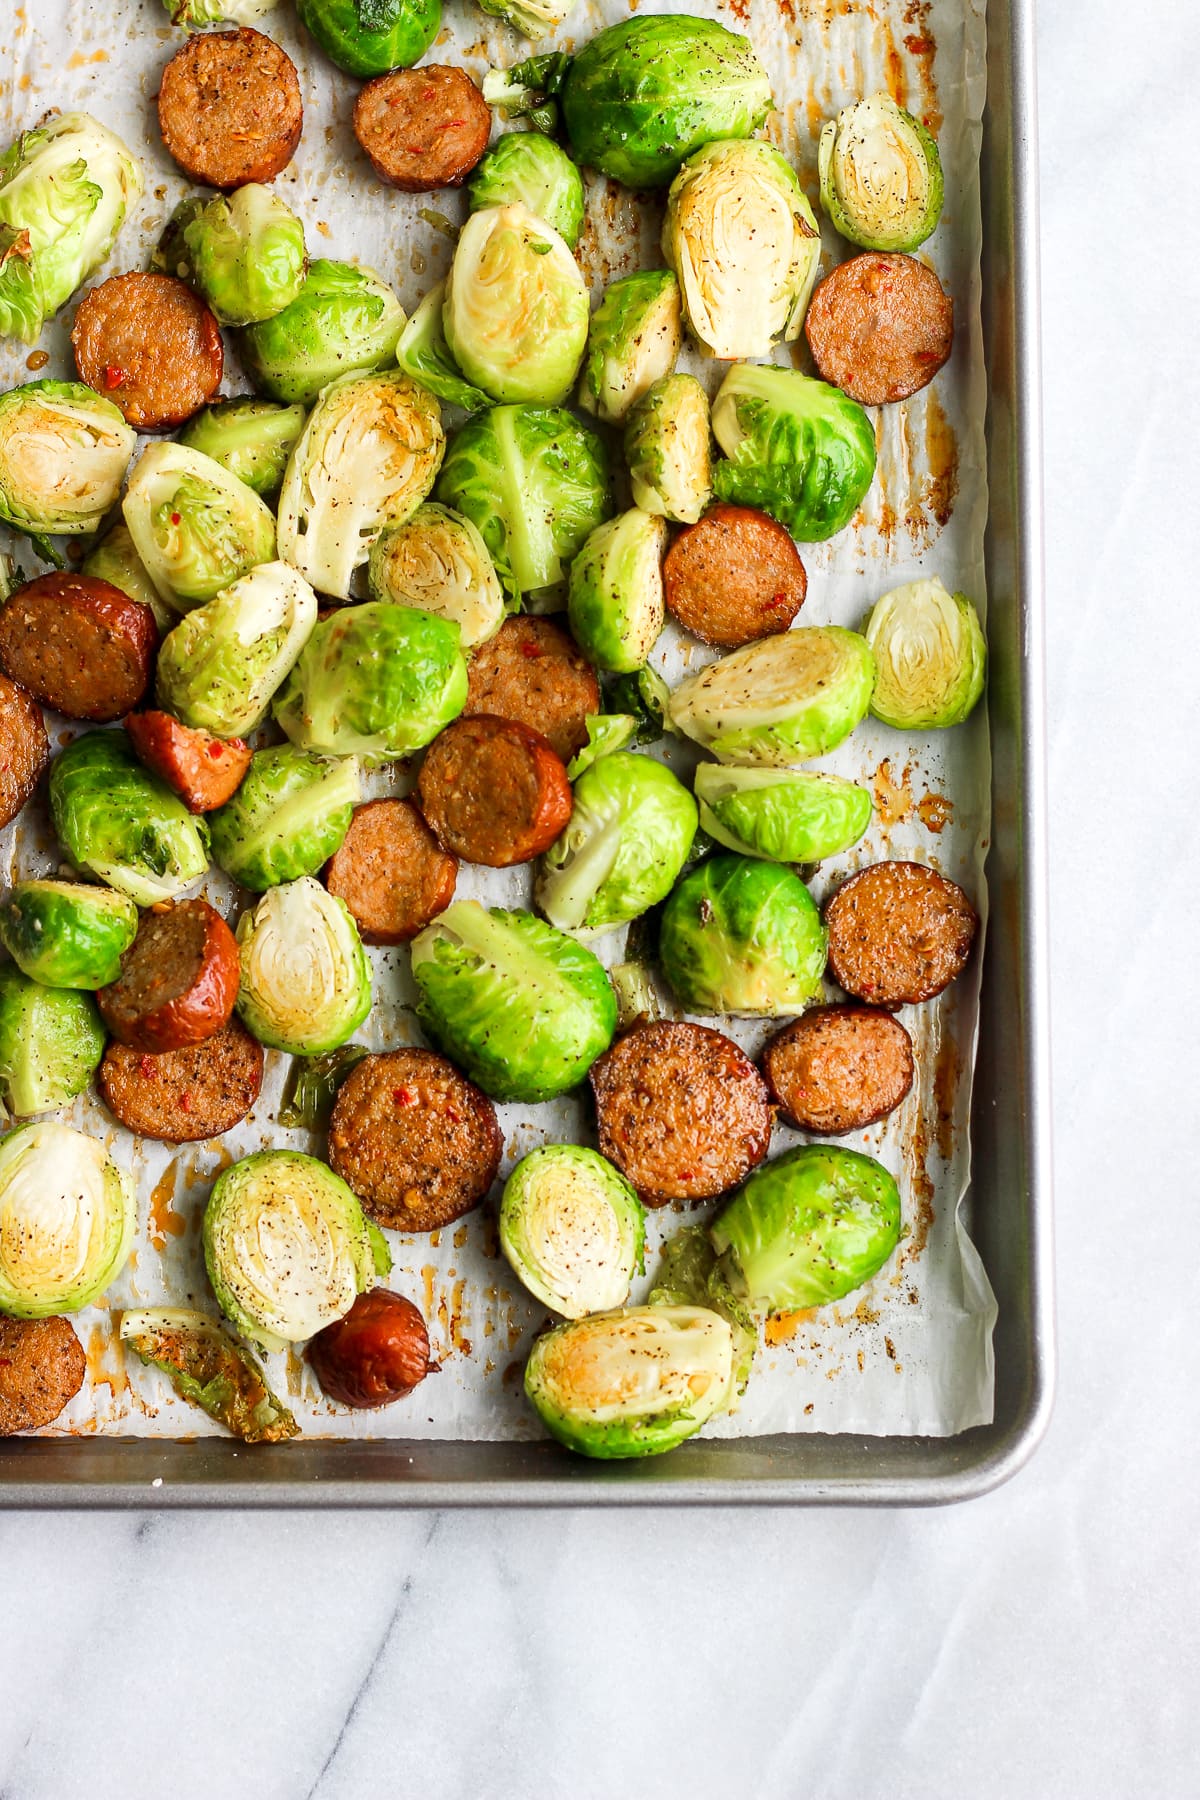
<point x="42" y="1366"/>
<point x="78" y="644"/>
<point x="178" y="980"/>
<point x="229" y="108"/>
<point x="205" y="771"/>
<point x="184" y="1096"/>
<point x="422" y="128"/>
<point x="494" y="791"/>
<point x="839" y="1068"/>
<point x="734" y="577"/>
<point x="534" y="672"/>
<point x="898" y="933"/>
<point x="151" y="346"/>
<point x="391" y="872"/>
<point x="880" y="327"/>
<point x="24" y="748"/>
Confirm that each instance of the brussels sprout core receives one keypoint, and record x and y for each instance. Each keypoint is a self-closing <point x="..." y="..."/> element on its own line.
<point x="781" y="700"/>
<point x="790" y="817"/>
<point x="572" y="1228"/>
<point x="743" y="937"/>
<point x="67" y="1216"/>
<point x="516" y="307"/>
<point x="881" y="175"/>
<point x="63" y="456"/>
<point x="305" y="978"/>
<point x="930" y="657"/>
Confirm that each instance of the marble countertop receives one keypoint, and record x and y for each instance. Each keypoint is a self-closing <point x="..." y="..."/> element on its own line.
<point x="1040" y="1643"/>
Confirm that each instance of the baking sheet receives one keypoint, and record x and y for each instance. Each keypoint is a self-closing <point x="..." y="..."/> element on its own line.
<point x="910" y="1352"/>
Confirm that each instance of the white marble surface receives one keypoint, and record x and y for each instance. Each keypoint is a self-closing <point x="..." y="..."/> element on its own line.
<point x="1040" y="1644"/>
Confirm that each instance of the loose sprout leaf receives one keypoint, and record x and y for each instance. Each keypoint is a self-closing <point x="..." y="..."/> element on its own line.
<point x="313" y="1084"/>
<point x="205" y="1365"/>
<point x="606" y="732"/>
<point x="644" y="695"/>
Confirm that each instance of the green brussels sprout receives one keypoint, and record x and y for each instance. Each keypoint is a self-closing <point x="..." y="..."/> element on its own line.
<point x="743" y="240"/>
<point x="306" y="981"/>
<point x="668" y="450"/>
<point x="606" y="732"/>
<point x="251" y="439"/>
<point x="438" y="563"/>
<point x="807" y="1228"/>
<point x="631" y="1383"/>
<point x="51" y="1042"/>
<point x="195" y="527"/>
<point x="615" y="591"/>
<point x="367" y="457"/>
<point x="116" y="561"/>
<point x="63" y="455"/>
<point x="287" y="1248"/>
<point x="523" y="1009"/>
<point x="881" y="175"/>
<point x="376" y="680"/>
<point x="644" y="694"/>
<point x="745" y="937"/>
<point x="424" y="354"/>
<point x="193" y="13"/>
<point x="67" y="1218"/>
<point x="536" y="18"/>
<point x="930" y="657"/>
<point x="689" y="1274"/>
<point x="573" y="1229"/>
<point x="786" y="815"/>
<point x="524" y="168"/>
<point x="516" y="307"/>
<point x="534" y="482"/>
<point x="67" y="934"/>
<point x="246" y="254"/>
<point x="781" y="700"/>
<point x="629" y="834"/>
<point x="634" y="339"/>
<point x="287" y="818"/>
<point x="344" y="321"/>
<point x="221" y="665"/>
<point x="211" y="1369"/>
<point x="798" y="449"/>
<point x="64" y="191"/>
<point x="369" y="37"/>
<point x="122" y="824"/>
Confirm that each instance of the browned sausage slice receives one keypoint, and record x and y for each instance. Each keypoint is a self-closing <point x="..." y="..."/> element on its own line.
<point x="898" y="933"/>
<point x="24" y="748"/>
<point x="376" y="1354"/>
<point x="494" y="791"/>
<point x="78" y="644"/>
<point x="184" y="1096"/>
<point x="682" y="1112"/>
<point x="734" y="577"/>
<point x="391" y="872"/>
<point x="418" y="1142"/>
<point x="839" y="1068"/>
<point x="533" y="671"/>
<point x="205" y="771"/>
<point x="423" y="128"/>
<point x="42" y="1366"/>
<point x="229" y="108"/>
<point x="880" y="327"/>
<point x="178" y="980"/>
<point x="151" y="346"/>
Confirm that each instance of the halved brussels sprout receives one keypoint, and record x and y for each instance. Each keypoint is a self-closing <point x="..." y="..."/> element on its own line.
<point x="881" y="175"/>
<point x="195" y="526"/>
<point x="344" y="321"/>
<point x="287" y="1248"/>
<point x="246" y="254"/>
<point x="798" y="449"/>
<point x="634" y="338"/>
<point x="64" y="191"/>
<point x="645" y="695"/>
<point x="63" y="455"/>
<point x="779" y="701"/>
<point x="743" y="240"/>
<point x="207" y="1366"/>
<point x="67" y="1217"/>
<point x="689" y="1274"/>
<point x="745" y="937"/>
<point x="193" y="13"/>
<point x="573" y="1229"/>
<point x="629" y="834"/>
<point x="615" y="591"/>
<point x="123" y="824"/>
<point x="523" y="1009"/>
<point x="668" y="450"/>
<point x="369" y="37"/>
<point x="51" y="1042"/>
<point x="424" y="354"/>
<point x="306" y="981"/>
<point x="789" y="816"/>
<point x="67" y="934"/>
<point x="116" y="561"/>
<point x="366" y="458"/>
<point x="606" y="732"/>
<point x="536" y="18"/>
<point x="807" y="1228"/>
<point x="287" y="818"/>
<point x="221" y="665"/>
<point x="516" y="307"/>
<point x="930" y="657"/>
<point x="631" y="1383"/>
<point x="526" y="169"/>
<point x="437" y="562"/>
<point x="375" y="680"/>
<point x="252" y="439"/>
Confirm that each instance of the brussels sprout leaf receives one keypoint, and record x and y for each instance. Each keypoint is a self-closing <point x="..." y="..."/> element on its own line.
<point x="313" y="1084"/>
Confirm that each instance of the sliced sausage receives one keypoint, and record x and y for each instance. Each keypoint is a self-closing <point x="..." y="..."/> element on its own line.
<point x="205" y="771"/>
<point x="682" y="1112"/>
<point x="151" y="346"/>
<point x="42" y="1367"/>
<point x="839" y="1068"/>
<point x="378" y="1353"/>
<point x="880" y="327"/>
<point x="419" y="1143"/>
<point x="24" y="748"/>
<point x="898" y="933"/>
<point x="78" y="644"/>
<point x="229" y="108"/>
<point x="391" y="872"/>
<point x="183" y="1096"/>
<point x="422" y="128"/>
<point x="178" y="980"/>
<point x="494" y="791"/>
<point x="734" y="577"/>
<point x="533" y="671"/>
